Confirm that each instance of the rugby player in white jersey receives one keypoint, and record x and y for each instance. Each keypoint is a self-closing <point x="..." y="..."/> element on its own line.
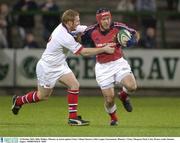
<point x="52" y="67"/>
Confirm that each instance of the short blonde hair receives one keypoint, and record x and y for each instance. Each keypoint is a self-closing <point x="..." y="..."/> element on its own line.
<point x="69" y="15"/>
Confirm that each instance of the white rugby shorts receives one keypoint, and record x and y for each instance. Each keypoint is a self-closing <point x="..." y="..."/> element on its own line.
<point x="48" y="75"/>
<point x="108" y="74"/>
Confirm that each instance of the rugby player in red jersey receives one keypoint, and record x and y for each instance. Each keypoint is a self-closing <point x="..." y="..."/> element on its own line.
<point x="111" y="69"/>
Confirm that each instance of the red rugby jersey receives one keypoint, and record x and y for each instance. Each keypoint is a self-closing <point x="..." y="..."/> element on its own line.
<point x="93" y="37"/>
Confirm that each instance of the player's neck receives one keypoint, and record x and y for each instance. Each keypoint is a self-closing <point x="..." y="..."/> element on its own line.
<point x="103" y="31"/>
<point x="67" y="27"/>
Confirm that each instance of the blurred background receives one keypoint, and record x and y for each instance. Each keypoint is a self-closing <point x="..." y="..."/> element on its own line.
<point x="25" y="26"/>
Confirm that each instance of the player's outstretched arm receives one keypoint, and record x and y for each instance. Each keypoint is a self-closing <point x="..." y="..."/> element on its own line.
<point x="94" y="51"/>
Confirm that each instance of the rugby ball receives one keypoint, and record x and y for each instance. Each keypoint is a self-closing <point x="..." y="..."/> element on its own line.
<point x="123" y="36"/>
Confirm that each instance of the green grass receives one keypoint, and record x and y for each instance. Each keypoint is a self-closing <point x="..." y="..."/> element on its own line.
<point x="152" y="116"/>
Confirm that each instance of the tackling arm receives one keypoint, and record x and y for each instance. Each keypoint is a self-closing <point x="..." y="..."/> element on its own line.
<point x="94" y="51"/>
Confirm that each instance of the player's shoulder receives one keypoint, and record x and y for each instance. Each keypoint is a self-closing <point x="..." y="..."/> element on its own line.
<point x="60" y="31"/>
<point x="61" y="35"/>
<point x="91" y="28"/>
<point x="118" y="24"/>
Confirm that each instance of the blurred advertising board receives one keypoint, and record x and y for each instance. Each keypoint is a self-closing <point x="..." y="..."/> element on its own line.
<point x="7" y="68"/>
<point x="152" y="68"/>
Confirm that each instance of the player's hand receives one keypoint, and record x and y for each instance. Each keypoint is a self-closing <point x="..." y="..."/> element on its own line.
<point x="109" y="48"/>
<point x="133" y="41"/>
<point x="137" y="36"/>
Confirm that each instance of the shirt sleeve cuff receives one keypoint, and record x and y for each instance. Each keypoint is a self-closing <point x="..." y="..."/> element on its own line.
<point x="79" y="50"/>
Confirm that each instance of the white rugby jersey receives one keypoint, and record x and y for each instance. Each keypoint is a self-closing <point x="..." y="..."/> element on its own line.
<point x="61" y="41"/>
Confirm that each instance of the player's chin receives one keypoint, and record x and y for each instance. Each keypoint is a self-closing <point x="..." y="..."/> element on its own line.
<point x="107" y="27"/>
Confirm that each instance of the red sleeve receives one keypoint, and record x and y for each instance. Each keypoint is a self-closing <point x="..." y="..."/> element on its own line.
<point x="78" y="51"/>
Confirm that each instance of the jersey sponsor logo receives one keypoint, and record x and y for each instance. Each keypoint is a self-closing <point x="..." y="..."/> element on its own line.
<point x="104" y="44"/>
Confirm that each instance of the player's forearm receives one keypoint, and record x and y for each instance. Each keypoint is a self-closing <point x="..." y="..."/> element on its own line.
<point x="91" y="51"/>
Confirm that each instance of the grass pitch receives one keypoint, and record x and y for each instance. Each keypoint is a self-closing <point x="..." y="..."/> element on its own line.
<point x="152" y="116"/>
